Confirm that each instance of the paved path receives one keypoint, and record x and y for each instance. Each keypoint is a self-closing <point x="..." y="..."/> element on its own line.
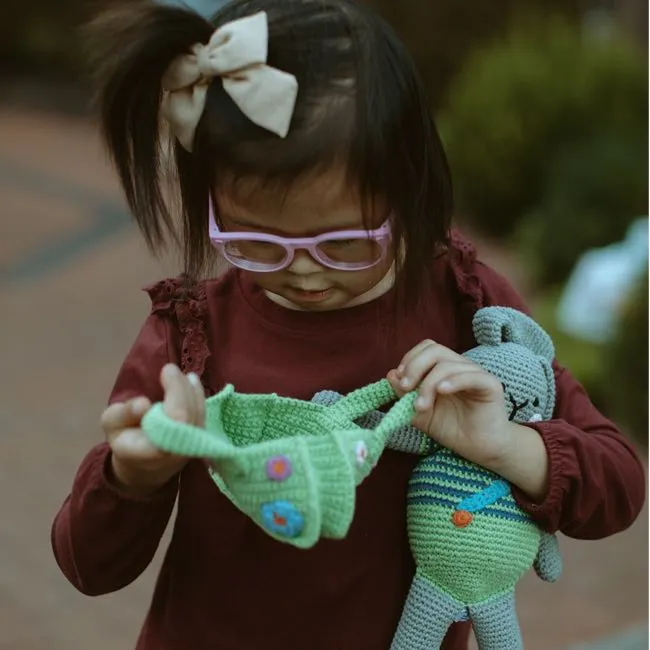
<point x="635" y="638"/>
<point x="70" y="265"/>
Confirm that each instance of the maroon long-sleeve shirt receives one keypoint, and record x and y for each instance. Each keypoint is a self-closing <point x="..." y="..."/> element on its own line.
<point x="227" y="585"/>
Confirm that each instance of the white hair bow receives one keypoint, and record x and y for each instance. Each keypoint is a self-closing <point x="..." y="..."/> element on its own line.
<point x="237" y="53"/>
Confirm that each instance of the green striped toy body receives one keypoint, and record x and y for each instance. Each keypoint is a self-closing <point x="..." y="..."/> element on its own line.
<point x="467" y="534"/>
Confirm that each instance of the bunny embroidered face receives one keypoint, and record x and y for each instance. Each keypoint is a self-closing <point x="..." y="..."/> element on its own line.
<point x="528" y="386"/>
<point x="515" y="349"/>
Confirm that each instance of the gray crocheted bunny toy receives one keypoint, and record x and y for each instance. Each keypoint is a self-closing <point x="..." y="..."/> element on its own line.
<point x="470" y="540"/>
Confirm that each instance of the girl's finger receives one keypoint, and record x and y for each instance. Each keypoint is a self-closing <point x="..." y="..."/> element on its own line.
<point x="124" y="414"/>
<point x="482" y="385"/>
<point x="412" y="354"/>
<point x="420" y="366"/>
<point x="441" y="371"/>
<point x="198" y="416"/>
<point x="394" y="381"/>
<point x="139" y="406"/>
<point x="134" y="445"/>
<point x="178" y="402"/>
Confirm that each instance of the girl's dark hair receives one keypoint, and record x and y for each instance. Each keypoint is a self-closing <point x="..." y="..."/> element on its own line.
<point x="360" y="104"/>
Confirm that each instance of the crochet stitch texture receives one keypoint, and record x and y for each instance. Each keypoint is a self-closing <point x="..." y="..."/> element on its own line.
<point x="470" y="540"/>
<point x="293" y="467"/>
<point x="290" y="465"/>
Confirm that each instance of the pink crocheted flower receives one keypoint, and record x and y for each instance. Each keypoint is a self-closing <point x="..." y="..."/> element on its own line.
<point x="361" y="452"/>
<point x="278" y="468"/>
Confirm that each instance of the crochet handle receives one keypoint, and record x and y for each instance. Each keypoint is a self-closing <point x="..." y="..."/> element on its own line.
<point x="371" y="397"/>
<point x="399" y="416"/>
<point x="366" y="399"/>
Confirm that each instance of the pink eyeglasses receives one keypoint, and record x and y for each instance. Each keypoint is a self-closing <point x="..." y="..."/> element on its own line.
<point x="344" y="250"/>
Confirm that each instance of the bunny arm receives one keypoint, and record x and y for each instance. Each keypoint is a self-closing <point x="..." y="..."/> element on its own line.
<point x="548" y="563"/>
<point x="407" y="439"/>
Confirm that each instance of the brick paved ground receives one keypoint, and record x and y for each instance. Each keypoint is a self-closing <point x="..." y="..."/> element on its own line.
<point x="70" y="265"/>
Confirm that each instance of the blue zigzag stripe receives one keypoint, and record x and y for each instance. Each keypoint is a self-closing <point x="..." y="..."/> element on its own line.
<point x="460" y="500"/>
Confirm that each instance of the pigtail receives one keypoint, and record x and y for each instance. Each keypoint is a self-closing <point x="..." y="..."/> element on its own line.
<point x="130" y="46"/>
<point x="394" y="123"/>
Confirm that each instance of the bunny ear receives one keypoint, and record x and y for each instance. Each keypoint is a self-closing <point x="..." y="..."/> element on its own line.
<point x="550" y="389"/>
<point x="496" y="325"/>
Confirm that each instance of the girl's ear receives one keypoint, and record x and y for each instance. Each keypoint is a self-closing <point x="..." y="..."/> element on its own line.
<point x="496" y="325"/>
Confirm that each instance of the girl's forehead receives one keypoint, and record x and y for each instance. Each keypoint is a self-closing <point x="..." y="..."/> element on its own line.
<point x="330" y="187"/>
<point x="322" y="201"/>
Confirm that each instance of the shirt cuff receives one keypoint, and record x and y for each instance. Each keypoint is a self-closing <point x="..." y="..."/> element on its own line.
<point x="108" y="483"/>
<point x="547" y="513"/>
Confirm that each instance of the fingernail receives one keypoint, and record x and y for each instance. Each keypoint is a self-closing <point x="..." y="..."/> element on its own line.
<point x="172" y="369"/>
<point x="421" y="403"/>
<point x="444" y="385"/>
<point x="194" y="379"/>
<point x="405" y="383"/>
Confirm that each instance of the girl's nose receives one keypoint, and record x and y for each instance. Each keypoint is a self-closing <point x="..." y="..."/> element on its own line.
<point x="304" y="264"/>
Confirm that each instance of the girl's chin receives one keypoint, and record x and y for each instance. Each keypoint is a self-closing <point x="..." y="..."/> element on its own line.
<point x="298" y="299"/>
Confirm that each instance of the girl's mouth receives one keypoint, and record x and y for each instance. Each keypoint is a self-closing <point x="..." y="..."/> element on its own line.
<point x="302" y="296"/>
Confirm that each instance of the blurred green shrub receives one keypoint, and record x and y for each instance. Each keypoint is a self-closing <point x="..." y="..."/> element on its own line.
<point x="583" y="358"/>
<point x="626" y="367"/>
<point x="517" y="104"/>
<point x="441" y="35"/>
<point x="615" y="375"/>
<point x="594" y="190"/>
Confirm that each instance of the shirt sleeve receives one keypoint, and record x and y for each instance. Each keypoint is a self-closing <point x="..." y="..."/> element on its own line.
<point x="102" y="538"/>
<point x="596" y="479"/>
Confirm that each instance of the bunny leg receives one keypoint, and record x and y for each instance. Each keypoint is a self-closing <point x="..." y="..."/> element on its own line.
<point x="495" y="623"/>
<point x="427" y="615"/>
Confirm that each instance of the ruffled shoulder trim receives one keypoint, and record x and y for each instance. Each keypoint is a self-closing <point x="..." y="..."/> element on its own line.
<point x="462" y="267"/>
<point x="462" y="260"/>
<point x="184" y="302"/>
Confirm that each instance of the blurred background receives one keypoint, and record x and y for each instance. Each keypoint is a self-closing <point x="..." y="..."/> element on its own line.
<point x="543" y="107"/>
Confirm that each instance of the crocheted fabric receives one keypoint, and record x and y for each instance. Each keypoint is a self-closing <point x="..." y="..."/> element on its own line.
<point x="470" y="540"/>
<point x="406" y="438"/>
<point x="291" y="465"/>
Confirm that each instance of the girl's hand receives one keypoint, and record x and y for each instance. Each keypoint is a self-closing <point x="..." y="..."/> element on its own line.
<point x="460" y="405"/>
<point x="137" y="465"/>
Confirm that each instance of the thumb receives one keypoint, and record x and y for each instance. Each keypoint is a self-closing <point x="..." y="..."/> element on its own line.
<point x="394" y="381"/>
<point x="122" y="415"/>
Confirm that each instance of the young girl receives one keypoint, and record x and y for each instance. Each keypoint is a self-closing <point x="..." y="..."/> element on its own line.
<point x="305" y="153"/>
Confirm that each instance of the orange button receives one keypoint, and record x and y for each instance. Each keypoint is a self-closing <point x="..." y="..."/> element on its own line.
<point x="461" y="518"/>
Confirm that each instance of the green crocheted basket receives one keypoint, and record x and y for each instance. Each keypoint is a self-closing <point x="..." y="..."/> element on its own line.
<point x="292" y="466"/>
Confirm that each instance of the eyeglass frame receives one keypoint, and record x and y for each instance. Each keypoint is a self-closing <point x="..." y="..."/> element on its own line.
<point x="219" y="239"/>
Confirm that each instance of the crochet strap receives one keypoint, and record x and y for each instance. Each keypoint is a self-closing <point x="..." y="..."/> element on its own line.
<point x="367" y="399"/>
<point x="186" y="439"/>
<point x="399" y="416"/>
